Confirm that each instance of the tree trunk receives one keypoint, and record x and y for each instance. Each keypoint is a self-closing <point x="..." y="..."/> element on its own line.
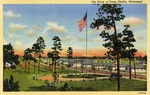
<point x="25" y="66"/>
<point x="52" y="65"/>
<point x="134" y="70"/>
<point x="91" y="65"/>
<point x="49" y="63"/>
<point x="55" y="65"/>
<point x="29" y="66"/>
<point x="129" y="68"/>
<point x="34" y="64"/>
<point x="118" y="65"/>
<point x="110" y="74"/>
<point x="39" y="66"/>
<point x="82" y="65"/>
<point x="76" y="64"/>
<point x="129" y="64"/>
<point x="4" y="64"/>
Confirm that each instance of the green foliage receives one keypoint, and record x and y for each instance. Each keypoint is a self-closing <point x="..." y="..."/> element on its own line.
<point x="56" y="76"/>
<point x="10" y="85"/>
<point x="145" y="58"/>
<point x="93" y="68"/>
<point x="65" y="87"/>
<point x="69" y="52"/>
<point x="40" y="45"/>
<point x="62" y="68"/>
<point x="27" y="54"/>
<point x="128" y="39"/>
<point x="106" y="13"/>
<point x="56" y="49"/>
<point x="50" y="55"/>
<point x="8" y="55"/>
<point x="13" y="67"/>
<point x="110" y="68"/>
<point x="145" y="67"/>
<point x="82" y="66"/>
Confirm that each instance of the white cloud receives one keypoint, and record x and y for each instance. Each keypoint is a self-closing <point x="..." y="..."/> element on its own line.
<point x="53" y="27"/>
<point x="30" y="33"/>
<point x="139" y="37"/>
<point x="37" y="28"/>
<point x="17" y="27"/>
<point x="80" y="38"/>
<point x="11" y="36"/>
<point x="133" y="21"/>
<point x="69" y="38"/>
<point x="17" y="44"/>
<point x="10" y="14"/>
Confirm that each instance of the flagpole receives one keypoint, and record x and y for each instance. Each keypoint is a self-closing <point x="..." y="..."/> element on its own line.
<point x="86" y="42"/>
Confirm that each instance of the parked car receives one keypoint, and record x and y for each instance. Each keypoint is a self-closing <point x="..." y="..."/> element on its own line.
<point x="115" y="75"/>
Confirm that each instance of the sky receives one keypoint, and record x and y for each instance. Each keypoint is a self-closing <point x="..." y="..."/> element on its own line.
<point x="24" y="23"/>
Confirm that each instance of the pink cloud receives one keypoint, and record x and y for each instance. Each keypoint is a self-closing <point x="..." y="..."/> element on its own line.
<point x="133" y="21"/>
<point x="35" y="27"/>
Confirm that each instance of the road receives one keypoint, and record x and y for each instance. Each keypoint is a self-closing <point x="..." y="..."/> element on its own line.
<point x="107" y="72"/>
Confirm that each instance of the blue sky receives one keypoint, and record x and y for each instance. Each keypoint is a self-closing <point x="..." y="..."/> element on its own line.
<point x="23" y="23"/>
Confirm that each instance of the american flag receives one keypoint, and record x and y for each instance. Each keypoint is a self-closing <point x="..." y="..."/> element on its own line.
<point x="82" y="23"/>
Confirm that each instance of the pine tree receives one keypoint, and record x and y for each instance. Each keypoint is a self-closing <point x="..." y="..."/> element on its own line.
<point x="129" y="50"/>
<point x="56" y="49"/>
<point x="69" y="54"/>
<point x="107" y="15"/>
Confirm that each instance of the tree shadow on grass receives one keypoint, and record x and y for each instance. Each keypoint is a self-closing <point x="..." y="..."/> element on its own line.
<point x="42" y="88"/>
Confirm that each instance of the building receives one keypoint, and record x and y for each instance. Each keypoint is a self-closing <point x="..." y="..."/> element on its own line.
<point x="114" y="66"/>
<point x="138" y="68"/>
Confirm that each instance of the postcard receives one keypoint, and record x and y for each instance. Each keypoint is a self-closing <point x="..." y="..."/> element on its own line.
<point x="78" y="47"/>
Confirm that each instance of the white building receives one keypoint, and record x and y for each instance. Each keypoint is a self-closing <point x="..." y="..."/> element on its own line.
<point x="138" y="68"/>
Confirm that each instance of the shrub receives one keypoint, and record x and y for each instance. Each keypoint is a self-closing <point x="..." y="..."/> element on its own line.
<point x="10" y="85"/>
<point x="13" y="67"/>
<point x="65" y="87"/>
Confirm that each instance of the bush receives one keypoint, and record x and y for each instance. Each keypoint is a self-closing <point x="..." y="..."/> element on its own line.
<point x="10" y="85"/>
<point x="13" y="67"/>
<point x="65" y="87"/>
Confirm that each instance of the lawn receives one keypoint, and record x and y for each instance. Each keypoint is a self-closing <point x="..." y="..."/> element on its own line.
<point x="99" y="85"/>
<point x="26" y="79"/>
<point x="27" y="83"/>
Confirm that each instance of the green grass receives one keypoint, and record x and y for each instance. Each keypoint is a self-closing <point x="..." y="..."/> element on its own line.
<point x="27" y="83"/>
<point x="109" y="85"/>
<point x="99" y="85"/>
<point x="26" y="79"/>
